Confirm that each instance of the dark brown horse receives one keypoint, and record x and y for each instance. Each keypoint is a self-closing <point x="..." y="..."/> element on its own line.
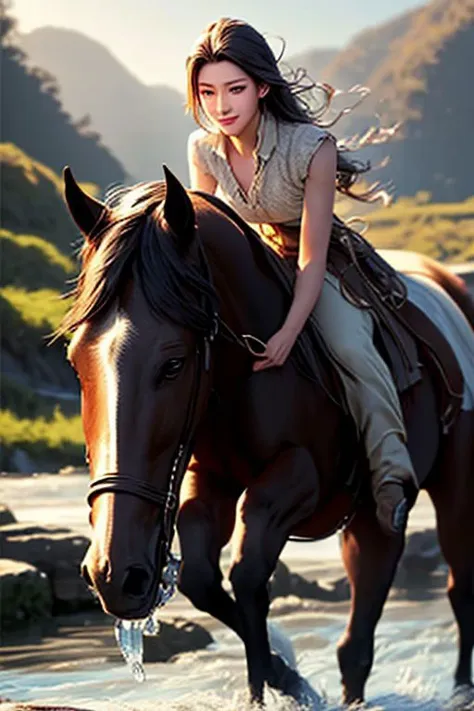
<point x="168" y="286"/>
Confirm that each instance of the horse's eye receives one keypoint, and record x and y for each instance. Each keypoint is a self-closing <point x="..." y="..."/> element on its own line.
<point x="170" y="370"/>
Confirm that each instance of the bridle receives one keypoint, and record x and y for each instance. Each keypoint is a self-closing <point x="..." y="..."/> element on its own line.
<point x="117" y="482"/>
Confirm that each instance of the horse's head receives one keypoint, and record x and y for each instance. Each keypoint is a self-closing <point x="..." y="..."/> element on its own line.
<point x="138" y="343"/>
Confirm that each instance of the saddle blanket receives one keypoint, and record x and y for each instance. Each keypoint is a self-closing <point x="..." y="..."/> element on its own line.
<point x="448" y="317"/>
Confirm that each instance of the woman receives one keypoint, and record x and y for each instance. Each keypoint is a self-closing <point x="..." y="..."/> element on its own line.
<point x="260" y="150"/>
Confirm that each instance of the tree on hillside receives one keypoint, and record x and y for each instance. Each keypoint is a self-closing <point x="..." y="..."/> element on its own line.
<point x="32" y="116"/>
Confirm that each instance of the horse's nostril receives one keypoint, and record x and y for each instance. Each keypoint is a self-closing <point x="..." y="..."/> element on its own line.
<point x="136" y="581"/>
<point x="86" y="576"/>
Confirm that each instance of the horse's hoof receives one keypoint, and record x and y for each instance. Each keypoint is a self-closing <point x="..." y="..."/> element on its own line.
<point x="462" y="698"/>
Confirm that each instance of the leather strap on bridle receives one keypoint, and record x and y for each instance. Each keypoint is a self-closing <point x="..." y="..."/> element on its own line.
<point x="117" y="482"/>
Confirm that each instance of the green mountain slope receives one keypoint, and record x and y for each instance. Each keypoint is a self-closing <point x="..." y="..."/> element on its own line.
<point x="33" y="118"/>
<point x="38" y="265"/>
<point x="418" y="69"/>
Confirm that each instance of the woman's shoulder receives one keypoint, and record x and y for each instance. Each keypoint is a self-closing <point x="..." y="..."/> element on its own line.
<point x="299" y="136"/>
<point x="298" y="142"/>
<point x="202" y="150"/>
<point x="202" y="140"/>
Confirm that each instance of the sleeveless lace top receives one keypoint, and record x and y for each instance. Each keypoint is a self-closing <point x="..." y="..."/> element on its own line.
<point x="283" y="154"/>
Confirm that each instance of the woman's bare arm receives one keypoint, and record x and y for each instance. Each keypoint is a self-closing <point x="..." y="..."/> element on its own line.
<point x="315" y="233"/>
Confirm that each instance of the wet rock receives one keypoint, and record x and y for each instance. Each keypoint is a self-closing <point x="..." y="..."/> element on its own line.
<point x="175" y="637"/>
<point x="6" y="516"/>
<point x="284" y="583"/>
<point x="25" y="593"/>
<point x="56" y="551"/>
<point x="20" y="530"/>
<point x="70" y="470"/>
<point x="282" y="606"/>
<point x="421" y="558"/>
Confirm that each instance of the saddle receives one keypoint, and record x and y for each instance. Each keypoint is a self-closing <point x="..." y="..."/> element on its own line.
<point x="403" y="331"/>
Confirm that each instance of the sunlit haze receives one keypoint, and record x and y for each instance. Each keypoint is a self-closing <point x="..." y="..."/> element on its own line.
<point x="153" y="37"/>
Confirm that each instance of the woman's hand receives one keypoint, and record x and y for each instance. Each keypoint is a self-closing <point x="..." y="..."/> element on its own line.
<point x="277" y="351"/>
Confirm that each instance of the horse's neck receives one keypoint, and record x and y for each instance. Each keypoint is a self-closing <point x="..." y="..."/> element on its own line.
<point x="251" y="300"/>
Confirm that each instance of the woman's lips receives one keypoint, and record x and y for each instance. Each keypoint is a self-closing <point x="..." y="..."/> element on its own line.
<point x="227" y="121"/>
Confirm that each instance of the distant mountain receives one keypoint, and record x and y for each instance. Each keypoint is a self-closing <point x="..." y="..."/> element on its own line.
<point x="417" y="67"/>
<point x="360" y="59"/>
<point x="144" y="125"/>
<point x="33" y="118"/>
<point x="314" y="61"/>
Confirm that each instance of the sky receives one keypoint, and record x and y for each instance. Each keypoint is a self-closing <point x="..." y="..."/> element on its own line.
<point x="153" y="37"/>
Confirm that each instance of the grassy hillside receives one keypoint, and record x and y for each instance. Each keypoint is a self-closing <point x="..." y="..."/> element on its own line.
<point x="38" y="390"/>
<point x="444" y="231"/>
<point x="32" y="200"/>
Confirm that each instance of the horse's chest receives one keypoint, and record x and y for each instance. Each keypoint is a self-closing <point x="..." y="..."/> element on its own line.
<point x="267" y="416"/>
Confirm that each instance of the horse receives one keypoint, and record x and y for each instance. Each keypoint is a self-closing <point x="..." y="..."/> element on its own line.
<point x="170" y="302"/>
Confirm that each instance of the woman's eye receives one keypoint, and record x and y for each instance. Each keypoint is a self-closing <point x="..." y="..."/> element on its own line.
<point x="206" y="93"/>
<point x="170" y="370"/>
<point x="237" y="89"/>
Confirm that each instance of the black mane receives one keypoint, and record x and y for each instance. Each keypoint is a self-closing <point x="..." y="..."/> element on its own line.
<point x="137" y="242"/>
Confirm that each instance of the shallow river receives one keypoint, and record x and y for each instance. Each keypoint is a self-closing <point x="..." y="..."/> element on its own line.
<point x="76" y="662"/>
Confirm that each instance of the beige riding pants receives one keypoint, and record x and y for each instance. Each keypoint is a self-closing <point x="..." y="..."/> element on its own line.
<point x="371" y="396"/>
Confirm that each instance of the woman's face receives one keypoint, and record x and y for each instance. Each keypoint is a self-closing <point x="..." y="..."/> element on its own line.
<point x="228" y="96"/>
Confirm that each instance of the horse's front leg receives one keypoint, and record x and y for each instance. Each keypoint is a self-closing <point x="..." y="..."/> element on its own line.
<point x="205" y="523"/>
<point x="282" y="496"/>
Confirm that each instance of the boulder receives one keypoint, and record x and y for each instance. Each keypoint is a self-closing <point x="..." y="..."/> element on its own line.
<point x="56" y="551"/>
<point x="25" y="593"/>
<point x="6" y="516"/>
<point x="175" y="637"/>
<point x="421" y="558"/>
<point x="284" y="583"/>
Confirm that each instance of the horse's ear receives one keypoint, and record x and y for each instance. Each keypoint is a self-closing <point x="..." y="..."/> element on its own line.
<point x="178" y="208"/>
<point x="85" y="210"/>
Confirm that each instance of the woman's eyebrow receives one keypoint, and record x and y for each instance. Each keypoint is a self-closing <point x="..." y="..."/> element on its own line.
<point x="227" y="83"/>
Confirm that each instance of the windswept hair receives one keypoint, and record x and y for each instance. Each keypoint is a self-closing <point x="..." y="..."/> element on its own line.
<point x="293" y="95"/>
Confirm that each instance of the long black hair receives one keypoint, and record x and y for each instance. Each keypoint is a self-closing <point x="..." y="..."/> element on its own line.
<point x="294" y="97"/>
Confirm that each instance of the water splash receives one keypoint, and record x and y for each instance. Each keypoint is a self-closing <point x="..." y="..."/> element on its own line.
<point x="129" y="636"/>
<point x="129" y="633"/>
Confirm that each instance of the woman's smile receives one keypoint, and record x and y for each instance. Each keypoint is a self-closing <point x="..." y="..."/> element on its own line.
<point x="228" y="121"/>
